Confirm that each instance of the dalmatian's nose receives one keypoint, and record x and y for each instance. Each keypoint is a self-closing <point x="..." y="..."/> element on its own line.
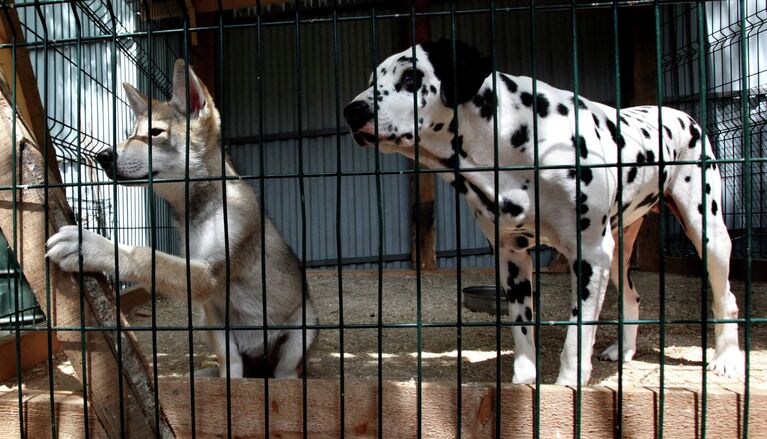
<point x="357" y="114"/>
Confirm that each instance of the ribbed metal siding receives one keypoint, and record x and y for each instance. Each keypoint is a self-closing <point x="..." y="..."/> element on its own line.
<point x="359" y="210"/>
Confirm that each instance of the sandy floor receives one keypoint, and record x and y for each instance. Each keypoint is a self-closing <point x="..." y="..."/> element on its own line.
<point x="439" y="305"/>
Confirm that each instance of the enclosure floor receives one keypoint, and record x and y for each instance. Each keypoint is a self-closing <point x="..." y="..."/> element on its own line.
<point x="399" y="346"/>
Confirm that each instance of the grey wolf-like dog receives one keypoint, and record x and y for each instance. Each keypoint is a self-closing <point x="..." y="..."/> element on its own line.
<point x="284" y="286"/>
<point x="468" y="141"/>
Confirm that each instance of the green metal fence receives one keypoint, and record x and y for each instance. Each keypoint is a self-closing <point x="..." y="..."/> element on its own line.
<point x="706" y="60"/>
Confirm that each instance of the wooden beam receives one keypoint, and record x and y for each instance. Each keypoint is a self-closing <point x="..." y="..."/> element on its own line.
<point x="68" y="416"/>
<point x="25" y="216"/>
<point x="28" y="102"/>
<point x="34" y="350"/>
<point x="682" y="415"/>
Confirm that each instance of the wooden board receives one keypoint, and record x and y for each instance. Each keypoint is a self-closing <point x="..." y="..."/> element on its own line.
<point x="439" y="402"/>
<point x="34" y="350"/>
<point x="101" y="356"/>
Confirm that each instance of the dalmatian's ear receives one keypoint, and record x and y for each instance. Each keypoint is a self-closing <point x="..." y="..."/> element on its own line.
<point x="471" y="68"/>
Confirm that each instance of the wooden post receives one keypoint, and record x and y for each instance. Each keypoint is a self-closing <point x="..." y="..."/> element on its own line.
<point x="101" y="356"/>
<point x="28" y="102"/>
<point x="638" y="63"/>
<point x="422" y="203"/>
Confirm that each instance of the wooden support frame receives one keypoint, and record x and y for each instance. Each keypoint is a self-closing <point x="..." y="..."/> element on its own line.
<point x="557" y="419"/>
<point x="21" y="157"/>
<point x="34" y="350"/>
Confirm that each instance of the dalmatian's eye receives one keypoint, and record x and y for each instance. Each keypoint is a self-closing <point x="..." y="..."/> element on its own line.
<point x="410" y="80"/>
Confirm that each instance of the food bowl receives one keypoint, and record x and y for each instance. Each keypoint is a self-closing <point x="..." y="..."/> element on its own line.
<point x="482" y="298"/>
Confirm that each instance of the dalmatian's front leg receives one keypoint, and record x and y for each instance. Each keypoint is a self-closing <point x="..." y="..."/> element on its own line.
<point x="590" y="286"/>
<point x="516" y="277"/>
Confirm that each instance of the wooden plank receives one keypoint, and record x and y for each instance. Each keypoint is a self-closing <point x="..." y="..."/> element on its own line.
<point x="557" y="410"/>
<point x="640" y="410"/>
<point x="34" y="350"/>
<point x="30" y="227"/>
<point x="28" y="102"/>
<point x="36" y="406"/>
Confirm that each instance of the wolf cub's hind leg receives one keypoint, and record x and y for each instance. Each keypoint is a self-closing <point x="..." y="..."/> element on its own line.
<point x="292" y="350"/>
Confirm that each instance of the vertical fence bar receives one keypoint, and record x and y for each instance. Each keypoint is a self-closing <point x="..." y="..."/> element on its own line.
<point x="339" y="248"/>
<point x="221" y="94"/>
<point x="187" y="251"/>
<point x="262" y="199"/>
<point x="661" y="228"/>
<point x="618" y="421"/>
<point x="702" y="89"/>
<point x="418" y="231"/>
<point x="115" y="216"/>
<point x="745" y="93"/>
<point x="302" y="198"/>
<point x="46" y="216"/>
<point x="152" y="219"/>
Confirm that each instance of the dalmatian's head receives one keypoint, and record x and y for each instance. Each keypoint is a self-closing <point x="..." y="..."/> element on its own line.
<point x="402" y="84"/>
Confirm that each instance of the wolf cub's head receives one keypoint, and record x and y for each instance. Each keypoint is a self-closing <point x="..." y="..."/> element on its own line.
<point x="130" y="159"/>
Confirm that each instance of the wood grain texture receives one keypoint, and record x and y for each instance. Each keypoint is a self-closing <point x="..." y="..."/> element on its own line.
<point x="34" y="350"/>
<point x="20" y="157"/>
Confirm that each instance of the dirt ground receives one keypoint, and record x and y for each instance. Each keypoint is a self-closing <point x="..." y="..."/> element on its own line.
<point x="439" y="305"/>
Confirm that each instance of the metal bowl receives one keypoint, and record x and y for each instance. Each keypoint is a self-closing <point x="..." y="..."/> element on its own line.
<point x="482" y="298"/>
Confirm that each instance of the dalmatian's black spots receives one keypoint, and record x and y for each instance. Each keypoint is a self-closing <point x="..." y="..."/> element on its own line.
<point x="618" y="139"/>
<point x="410" y="80"/>
<point x="528" y="314"/>
<point x="596" y="131"/>
<point x="485" y="102"/>
<point x="649" y="200"/>
<point x="596" y="121"/>
<point x="581" y="146"/>
<point x="561" y="109"/>
<point x="460" y="184"/>
<point x="424" y="90"/>
<point x="586" y="175"/>
<point x="450" y="162"/>
<point x="645" y="133"/>
<point x="695" y="136"/>
<point x="581" y="104"/>
<point x="664" y="176"/>
<point x="383" y="71"/>
<point x="650" y="156"/>
<point x="632" y="175"/>
<point x="511" y="208"/>
<point x="522" y="242"/>
<point x="575" y="312"/>
<point x="581" y="205"/>
<point x="433" y="89"/>
<point x="687" y="179"/>
<point x="438" y="127"/>
<point x="708" y="188"/>
<point x="706" y="158"/>
<point x="386" y="92"/>
<point x="640" y="157"/>
<point x="520" y="136"/>
<point x="408" y="136"/>
<point x="585" y="223"/>
<point x="668" y="131"/>
<point x="518" y="292"/>
<point x="457" y="143"/>
<point x="391" y="137"/>
<point x="483" y="198"/>
<point x="541" y="103"/>
<point x="524" y="331"/>
<point x="714" y="207"/>
<point x="700" y="209"/>
<point x="623" y="120"/>
<point x="513" y="273"/>
<point x="604" y="219"/>
<point x="404" y="58"/>
<point x="453" y="126"/>
<point x="510" y="84"/>
<point x="681" y="122"/>
<point x="583" y="278"/>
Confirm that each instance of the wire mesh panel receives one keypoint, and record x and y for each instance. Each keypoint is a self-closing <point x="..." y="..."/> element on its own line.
<point x="383" y="219"/>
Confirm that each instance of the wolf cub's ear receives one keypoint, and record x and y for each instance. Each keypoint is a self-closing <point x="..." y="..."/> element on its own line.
<point x="471" y="68"/>
<point x="136" y="100"/>
<point x="197" y="95"/>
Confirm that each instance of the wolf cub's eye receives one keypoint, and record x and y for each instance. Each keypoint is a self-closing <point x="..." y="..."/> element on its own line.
<point x="156" y="132"/>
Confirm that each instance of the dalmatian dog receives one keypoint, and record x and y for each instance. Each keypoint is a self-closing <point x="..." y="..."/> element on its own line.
<point x="454" y="130"/>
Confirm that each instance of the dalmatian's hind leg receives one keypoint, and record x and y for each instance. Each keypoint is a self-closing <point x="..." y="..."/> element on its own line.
<point x="630" y="295"/>
<point x="516" y="274"/>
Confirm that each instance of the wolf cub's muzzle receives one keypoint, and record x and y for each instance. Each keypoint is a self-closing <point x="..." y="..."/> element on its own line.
<point x="106" y="158"/>
<point x="358" y="115"/>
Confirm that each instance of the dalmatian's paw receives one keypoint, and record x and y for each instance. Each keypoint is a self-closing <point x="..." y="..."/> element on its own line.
<point x="728" y="364"/>
<point x="64" y="249"/>
<point x="524" y="371"/>
<point x="611" y="353"/>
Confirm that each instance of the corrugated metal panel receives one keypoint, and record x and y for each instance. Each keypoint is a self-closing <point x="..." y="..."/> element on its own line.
<point x="359" y="208"/>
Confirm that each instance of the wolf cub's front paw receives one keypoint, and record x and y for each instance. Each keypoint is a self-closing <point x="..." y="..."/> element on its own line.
<point x="98" y="252"/>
